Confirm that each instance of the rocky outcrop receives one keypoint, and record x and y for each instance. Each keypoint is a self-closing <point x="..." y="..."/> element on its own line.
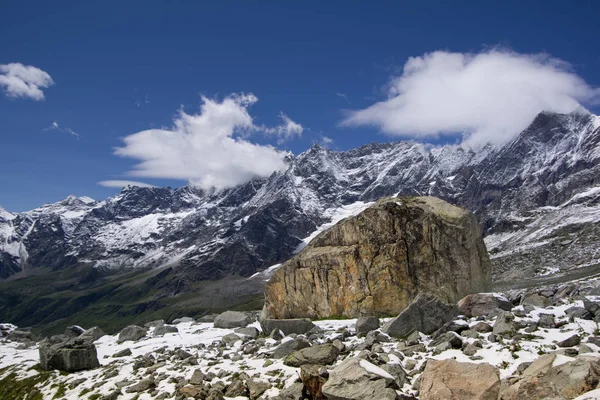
<point x="450" y="379"/>
<point x="377" y="262"/>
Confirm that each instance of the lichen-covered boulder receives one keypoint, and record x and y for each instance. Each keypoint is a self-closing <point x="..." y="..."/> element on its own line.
<point x="376" y="262"/>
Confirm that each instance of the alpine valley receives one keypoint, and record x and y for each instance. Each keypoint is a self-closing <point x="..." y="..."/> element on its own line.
<point x="152" y="253"/>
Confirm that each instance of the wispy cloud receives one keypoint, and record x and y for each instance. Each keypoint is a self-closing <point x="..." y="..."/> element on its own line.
<point x="286" y="131"/>
<point x="141" y="102"/>
<point x="326" y="141"/>
<point x="24" y="81"/>
<point x="343" y="96"/>
<point x="488" y="96"/>
<point x="123" y="183"/>
<point x="56" y="127"/>
<point x="210" y="149"/>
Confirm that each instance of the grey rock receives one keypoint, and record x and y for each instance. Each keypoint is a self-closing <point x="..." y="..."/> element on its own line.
<point x="164" y="329"/>
<point x="288" y="326"/>
<point x="570" y="341"/>
<point x="92" y="334"/>
<point x="356" y="379"/>
<point x="578" y="312"/>
<point x="207" y="318"/>
<point x="73" y="331"/>
<point x="230" y="338"/>
<point x="504" y="324"/>
<point x="319" y="354"/>
<point x="425" y="314"/>
<point x="591" y="306"/>
<point x="536" y="300"/>
<point x="397" y="372"/>
<point x="482" y="327"/>
<point x="20" y="336"/>
<point x="122" y="353"/>
<point x="131" y="332"/>
<point x="183" y="320"/>
<point x="451" y="338"/>
<point x="141" y="386"/>
<point x="70" y="356"/>
<point x="232" y="319"/>
<point x="287" y="348"/>
<point x="542" y="380"/>
<point x="249" y="331"/>
<point x="294" y="392"/>
<point x="155" y="323"/>
<point x="365" y="325"/>
<point x="449" y="379"/>
<point x="470" y="350"/>
<point x="482" y="304"/>
<point x="450" y="326"/>
<point x="546" y="321"/>
<point x="197" y="377"/>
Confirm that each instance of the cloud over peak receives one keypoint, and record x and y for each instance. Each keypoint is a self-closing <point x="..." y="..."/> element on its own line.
<point x="487" y="97"/>
<point x="24" y="81"/>
<point x="210" y="149"/>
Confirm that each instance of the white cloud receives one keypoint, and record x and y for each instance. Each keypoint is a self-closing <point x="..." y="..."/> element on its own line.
<point x="21" y="80"/>
<point x="326" y="141"/>
<point x="206" y="149"/>
<point x="122" y="183"/>
<point x="486" y="97"/>
<point x="286" y="131"/>
<point x="56" y="127"/>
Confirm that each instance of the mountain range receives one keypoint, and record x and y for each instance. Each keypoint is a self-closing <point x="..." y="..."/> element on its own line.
<point x="163" y="251"/>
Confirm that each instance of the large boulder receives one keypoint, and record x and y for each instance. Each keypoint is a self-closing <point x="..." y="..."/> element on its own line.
<point x="546" y="378"/>
<point x="70" y="356"/>
<point x="287" y="326"/>
<point x="425" y="314"/>
<point x="450" y="379"/>
<point x="483" y="304"/>
<point x="356" y="379"/>
<point x="382" y="258"/>
<point x="232" y="319"/>
<point x="131" y="332"/>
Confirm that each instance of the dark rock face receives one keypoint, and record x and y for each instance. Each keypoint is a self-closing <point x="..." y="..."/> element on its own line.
<point x="214" y="235"/>
<point x="69" y="356"/>
<point x="382" y="258"/>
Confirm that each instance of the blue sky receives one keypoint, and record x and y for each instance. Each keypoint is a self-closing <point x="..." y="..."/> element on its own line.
<point x="120" y="68"/>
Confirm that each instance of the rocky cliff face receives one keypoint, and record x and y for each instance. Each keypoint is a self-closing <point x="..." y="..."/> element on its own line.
<point x="376" y="263"/>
